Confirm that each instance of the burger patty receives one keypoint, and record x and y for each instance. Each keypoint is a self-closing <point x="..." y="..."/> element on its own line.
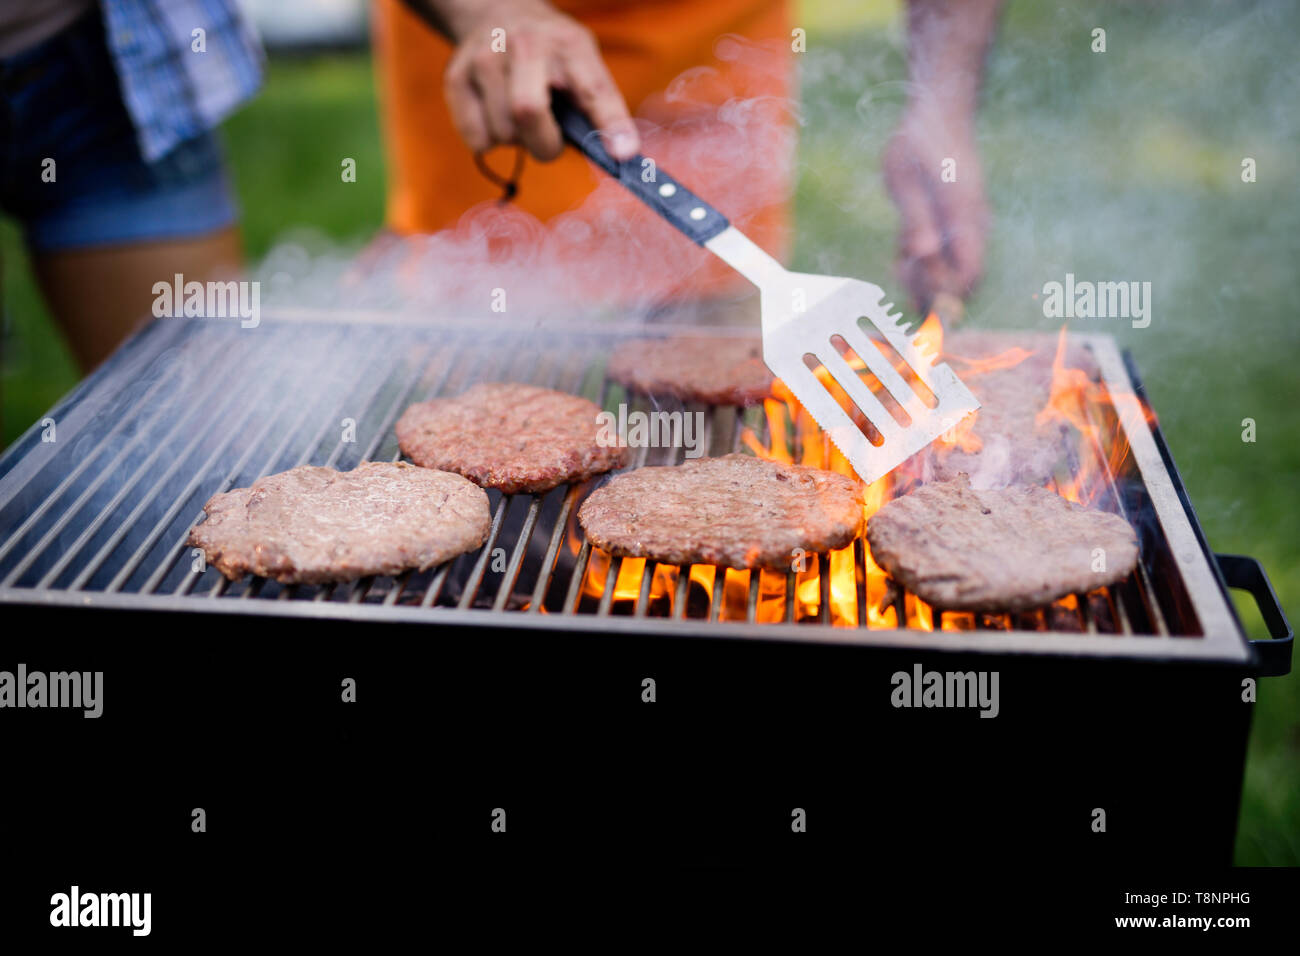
<point x="737" y="511"/>
<point x="311" y="525"/>
<point x="516" y="438"/>
<point x="998" y="550"/>
<point x="715" y="371"/>
<point x="1015" y="448"/>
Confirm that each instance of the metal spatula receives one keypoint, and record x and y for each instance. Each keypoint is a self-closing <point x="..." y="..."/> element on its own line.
<point x="801" y="313"/>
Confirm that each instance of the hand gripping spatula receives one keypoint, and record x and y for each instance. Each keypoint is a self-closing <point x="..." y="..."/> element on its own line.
<point x="801" y="313"/>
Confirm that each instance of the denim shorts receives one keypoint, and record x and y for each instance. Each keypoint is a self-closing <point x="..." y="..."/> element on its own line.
<point x="60" y="101"/>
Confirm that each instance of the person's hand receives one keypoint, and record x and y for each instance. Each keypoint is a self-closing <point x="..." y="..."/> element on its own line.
<point x="498" y="87"/>
<point x="944" y="223"/>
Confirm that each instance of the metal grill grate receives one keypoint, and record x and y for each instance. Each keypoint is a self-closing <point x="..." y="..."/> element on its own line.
<point x="190" y="409"/>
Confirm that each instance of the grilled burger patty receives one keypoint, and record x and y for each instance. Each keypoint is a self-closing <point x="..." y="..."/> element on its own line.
<point x="737" y="511"/>
<point x="716" y="371"/>
<point x="1016" y="447"/>
<point x="517" y="438"/>
<point x="311" y="525"/>
<point x="997" y="550"/>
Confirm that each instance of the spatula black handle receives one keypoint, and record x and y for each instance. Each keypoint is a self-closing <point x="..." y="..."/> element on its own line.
<point x="695" y="218"/>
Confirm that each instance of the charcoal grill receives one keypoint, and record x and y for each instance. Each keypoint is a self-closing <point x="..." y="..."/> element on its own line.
<point x="523" y="662"/>
<point x="97" y="499"/>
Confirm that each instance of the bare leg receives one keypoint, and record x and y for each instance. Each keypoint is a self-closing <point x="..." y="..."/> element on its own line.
<point x="99" y="295"/>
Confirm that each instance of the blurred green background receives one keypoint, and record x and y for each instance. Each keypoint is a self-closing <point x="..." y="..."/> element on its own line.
<point x="1123" y="165"/>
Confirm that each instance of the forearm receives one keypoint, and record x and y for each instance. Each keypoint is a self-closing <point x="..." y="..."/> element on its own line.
<point x="947" y="44"/>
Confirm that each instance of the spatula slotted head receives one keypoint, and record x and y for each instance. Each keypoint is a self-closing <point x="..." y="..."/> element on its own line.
<point x="804" y="317"/>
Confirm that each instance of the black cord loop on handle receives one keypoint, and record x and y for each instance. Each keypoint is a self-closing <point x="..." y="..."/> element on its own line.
<point x="509" y="186"/>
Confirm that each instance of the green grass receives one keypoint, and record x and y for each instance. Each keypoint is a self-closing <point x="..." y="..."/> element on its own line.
<point x="1122" y="165"/>
<point x="35" y="366"/>
<point x="288" y="146"/>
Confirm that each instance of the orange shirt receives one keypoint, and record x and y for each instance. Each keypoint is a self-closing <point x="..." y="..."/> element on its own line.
<point x="710" y="83"/>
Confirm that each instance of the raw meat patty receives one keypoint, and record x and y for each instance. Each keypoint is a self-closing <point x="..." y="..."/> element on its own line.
<point x="715" y="371"/>
<point x="310" y="525"/>
<point x="516" y="438"/>
<point x="737" y="511"/>
<point x="997" y="550"/>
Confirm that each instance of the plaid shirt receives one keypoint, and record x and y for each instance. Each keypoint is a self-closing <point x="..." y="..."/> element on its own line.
<point x="173" y="91"/>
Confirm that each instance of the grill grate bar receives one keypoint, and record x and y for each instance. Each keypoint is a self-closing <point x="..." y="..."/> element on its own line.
<point x="1119" y="612"/>
<point x="707" y="438"/>
<point x="84" y="463"/>
<point x="547" y="570"/>
<point x="737" y="429"/>
<point x="719" y="589"/>
<point x="1085" y="613"/>
<point x="380" y="381"/>
<point x="647" y="578"/>
<point x="62" y="522"/>
<point x="611" y="580"/>
<point x="88" y="532"/>
<point x="682" y="592"/>
<point x="860" y="587"/>
<point x="824" y="581"/>
<point x="507" y="586"/>
<point x="398" y="589"/>
<point x="419" y="370"/>
<point x="480" y="565"/>
<point x="436" y="586"/>
<point x="579" y="572"/>
<point x="1146" y="593"/>
<point x="98" y="401"/>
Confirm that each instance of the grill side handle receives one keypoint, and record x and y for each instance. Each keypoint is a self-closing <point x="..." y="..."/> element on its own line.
<point x="1247" y="574"/>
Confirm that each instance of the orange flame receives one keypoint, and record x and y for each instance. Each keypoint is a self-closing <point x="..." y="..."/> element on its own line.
<point x="1086" y="405"/>
<point x="793" y="437"/>
<point x="971" y="368"/>
<point x="929" y="337"/>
